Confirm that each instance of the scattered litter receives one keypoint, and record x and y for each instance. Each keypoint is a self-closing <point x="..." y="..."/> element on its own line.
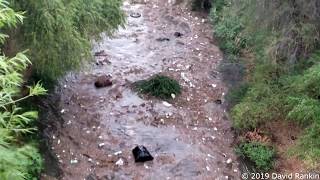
<point x="63" y="111"/>
<point x="195" y="128"/>
<point x="208" y="168"/>
<point x="183" y="76"/>
<point x="101" y="145"/>
<point x="218" y="101"/>
<point x="69" y="122"/>
<point x="90" y="160"/>
<point x="146" y="166"/>
<point x="216" y="129"/>
<point x="173" y="96"/>
<point x="178" y="34"/>
<point x="141" y="154"/>
<point x="166" y="104"/>
<point x="213" y="137"/>
<point x="135" y="15"/>
<point x="209" y="155"/>
<point x="58" y="141"/>
<point x="161" y="39"/>
<point x="88" y="132"/>
<point x="100" y="137"/>
<point x="73" y="161"/>
<point x="229" y="161"/>
<point x="214" y="85"/>
<point x="117" y="153"/>
<point x="120" y="162"/>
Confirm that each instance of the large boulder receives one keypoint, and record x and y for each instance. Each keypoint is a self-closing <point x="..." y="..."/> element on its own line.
<point x="103" y="81"/>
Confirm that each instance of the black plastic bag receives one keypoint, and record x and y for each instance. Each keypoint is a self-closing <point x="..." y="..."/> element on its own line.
<point x="141" y="154"/>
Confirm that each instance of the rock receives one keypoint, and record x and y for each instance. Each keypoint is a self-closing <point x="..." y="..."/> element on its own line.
<point x="135" y="15"/>
<point x="141" y="154"/>
<point x="178" y="34"/>
<point x="161" y="39"/>
<point x="103" y="81"/>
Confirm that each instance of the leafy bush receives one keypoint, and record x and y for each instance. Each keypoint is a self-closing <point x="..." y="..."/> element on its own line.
<point x="261" y="155"/>
<point x="58" y="33"/>
<point x="308" y="147"/>
<point x="18" y="160"/>
<point x="159" y="86"/>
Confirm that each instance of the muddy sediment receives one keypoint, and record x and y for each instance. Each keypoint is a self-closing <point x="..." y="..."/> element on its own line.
<point x="189" y="137"/>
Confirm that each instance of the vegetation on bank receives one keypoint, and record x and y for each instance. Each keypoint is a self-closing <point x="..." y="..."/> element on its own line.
<point x="19" y="157"/>
<point x="261" y="155"/>
<point x="159" y="86"/>
<point x="58" y="33"/>
<point x="283" y="78"/>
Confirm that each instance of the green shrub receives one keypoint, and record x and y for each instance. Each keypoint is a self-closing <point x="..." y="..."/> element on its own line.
<point x="308" y="147"/>
<point x="261" y="155"/>
<point x="159" y="86"/>
<point x="58" y="33"/>
<point x="18" y="159"/>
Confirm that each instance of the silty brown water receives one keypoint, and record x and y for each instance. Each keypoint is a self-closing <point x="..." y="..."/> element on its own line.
<point x="189" y="137"/>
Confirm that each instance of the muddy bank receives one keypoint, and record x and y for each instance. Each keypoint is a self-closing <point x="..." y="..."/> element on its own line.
<point x="190" y="137"/>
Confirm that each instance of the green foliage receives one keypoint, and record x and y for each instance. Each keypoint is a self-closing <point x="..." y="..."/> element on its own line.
<point x="284" y="82"/>
<point x="20" y="163"/>
<point x="18" y="160"/>
<point x="58" y="33"/>
<point x="308" y="148"/>
<point x="159" y="86"/>
<point x="261" y="155"/>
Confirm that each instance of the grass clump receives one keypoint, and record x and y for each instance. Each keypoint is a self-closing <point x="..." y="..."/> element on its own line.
<point x="159" y="86"/>
<point x="261" y="155"/>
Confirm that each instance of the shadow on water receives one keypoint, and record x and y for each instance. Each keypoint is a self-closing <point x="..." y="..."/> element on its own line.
<point x="49" y="121"/>
<point x="233" y="74"/>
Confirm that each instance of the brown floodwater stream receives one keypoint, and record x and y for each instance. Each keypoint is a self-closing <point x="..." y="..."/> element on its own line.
<point x="189" y="137"/>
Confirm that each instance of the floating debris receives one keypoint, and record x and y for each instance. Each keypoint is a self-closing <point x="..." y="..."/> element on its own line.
<point x="178" y="34"/>
<point x="135" y="15"/>
<point x="141" y="154"/>
<point x="120" y="162"/>
<point x="229" y="161"/>
<point x="101" y="145"/>
<point x="166" y="104"/>
<point x="117" y="153"/>
<point x="74" y="161"/>
<point x="161" y="39"/>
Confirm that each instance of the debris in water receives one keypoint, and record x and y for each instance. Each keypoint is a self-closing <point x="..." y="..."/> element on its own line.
<point x="141" y="154"/>
<point x="166" y="104"/>
<point x="101" y="145"/>
<point x="161" y="39"/>
<point x="73" y="161"/>
<point x="100" y="53"/>
<point x="229" y="161"/>
<point x="218" y="101"/>
<point x="103" y="81"/>
<point x="135" y="15"/>
<point x="178" y="34"/>
<point x="120" y="162"/>
<point x="208" y="168"/>
<point x="117" y="153"/>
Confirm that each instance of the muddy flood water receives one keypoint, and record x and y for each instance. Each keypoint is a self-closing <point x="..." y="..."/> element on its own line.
<point x="189" y="137"/>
